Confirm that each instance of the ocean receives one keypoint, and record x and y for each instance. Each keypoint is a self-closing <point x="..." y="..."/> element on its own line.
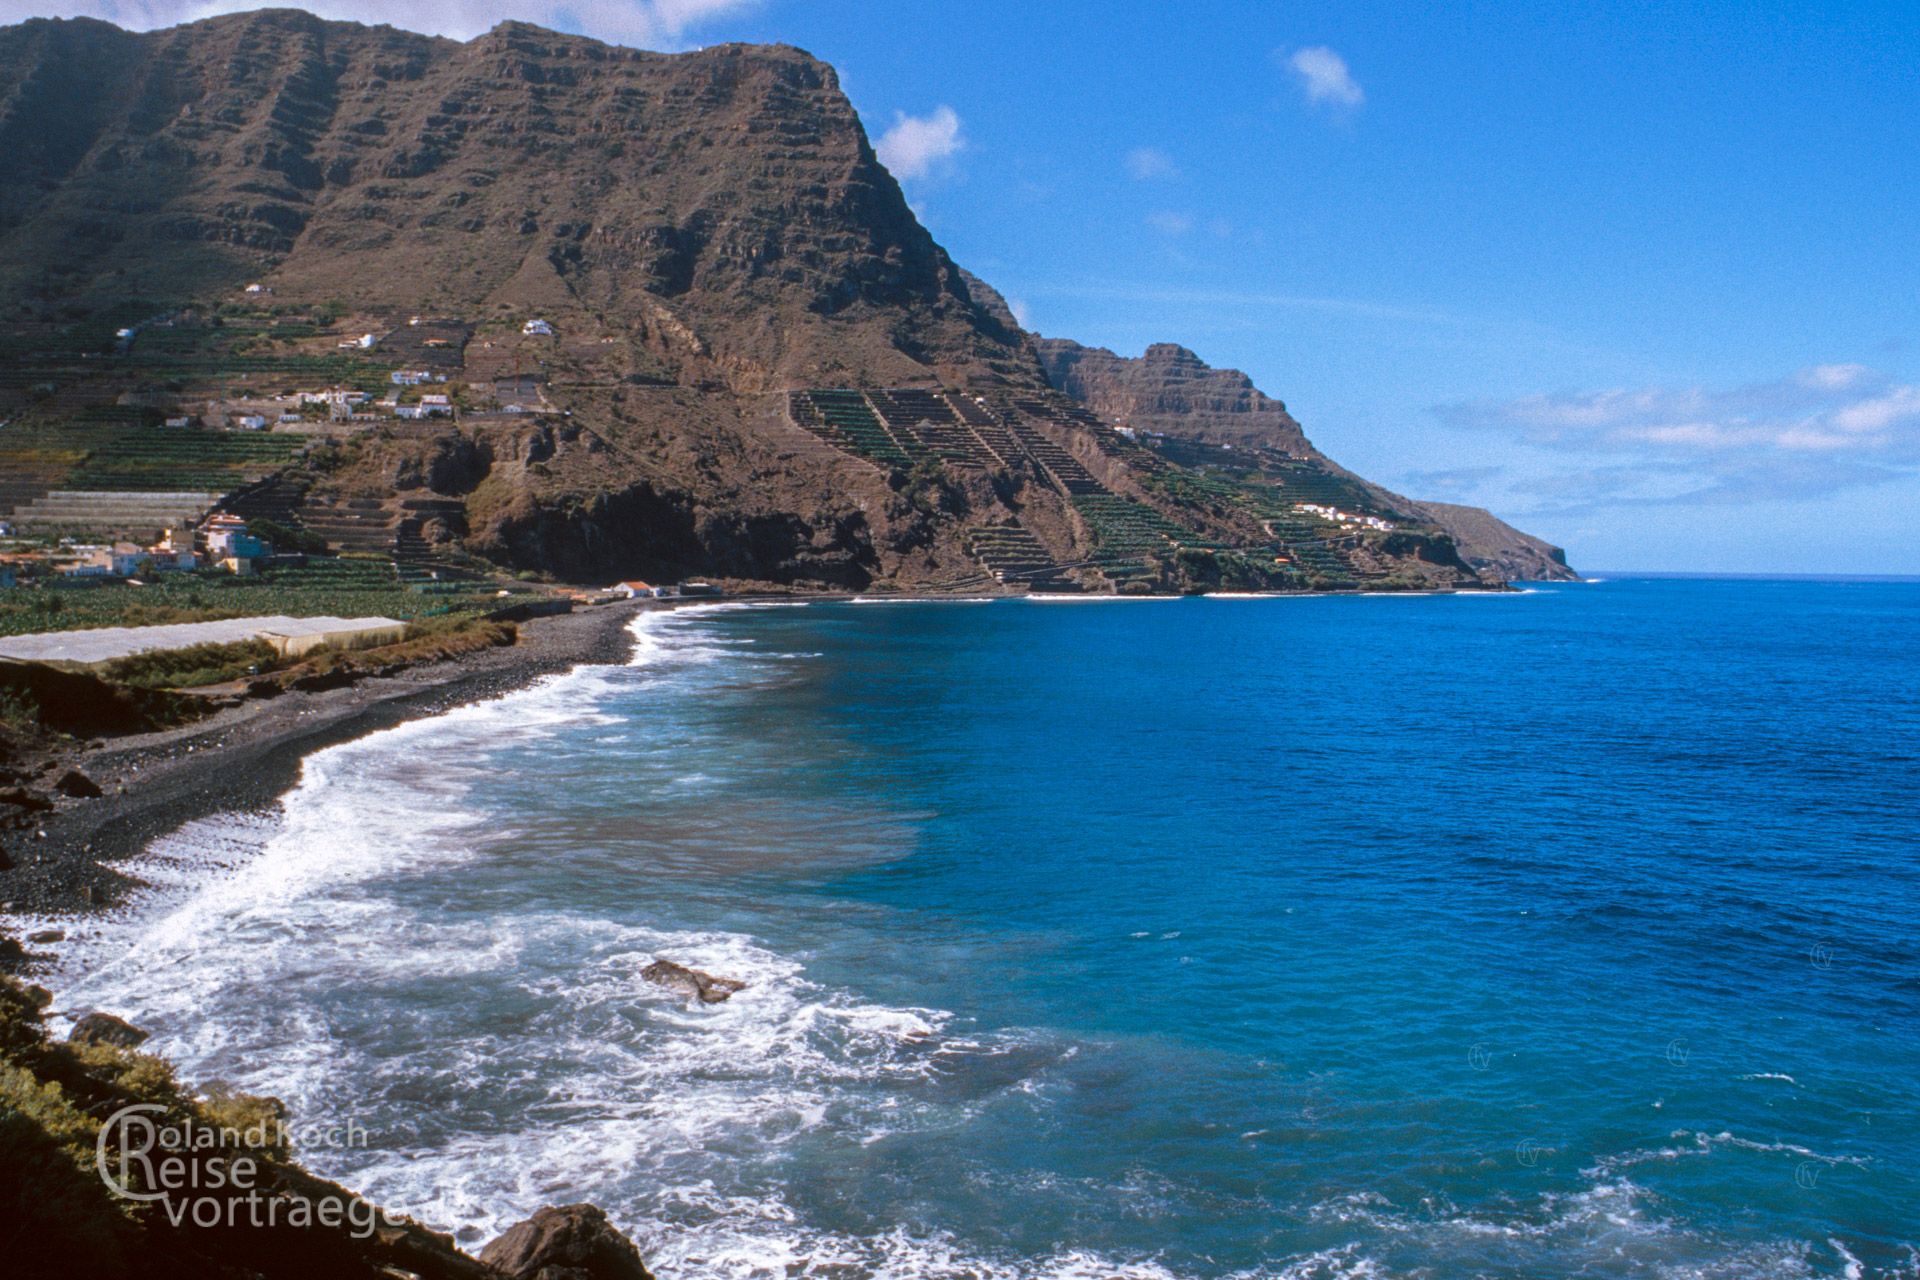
<point x="1573" y="932"/>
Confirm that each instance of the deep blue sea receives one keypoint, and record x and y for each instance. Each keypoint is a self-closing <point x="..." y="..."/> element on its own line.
<point x="1566" y="933"/>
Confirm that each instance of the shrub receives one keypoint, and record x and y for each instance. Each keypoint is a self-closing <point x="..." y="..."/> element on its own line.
<point x="203" y="664"/>
<point x="19" y="709"/>
<point x="285" y="538"/>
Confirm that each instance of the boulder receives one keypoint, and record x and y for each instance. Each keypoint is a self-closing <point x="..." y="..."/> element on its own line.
<point x="572" y="1242"/>
<point x="691" y="983"/>
<point x="78" y="785"/>
<point x="25" y="799"/>
<point x="104" y="1028"/>
<point x="47" y="935"/>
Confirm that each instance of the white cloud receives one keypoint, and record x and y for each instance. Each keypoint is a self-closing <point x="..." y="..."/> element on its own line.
<point x="1173" y="224"/>
<point x="1145" y="164"/>
<point x="1833" y="377"/>
<point x="642" y="23"/>
<point x="1810" y="433"/>
<point x="1324" y="77"/>
<point x="1021" y="312"/>
<point x="916" y="144"/>
<point x="1871" y="416"/>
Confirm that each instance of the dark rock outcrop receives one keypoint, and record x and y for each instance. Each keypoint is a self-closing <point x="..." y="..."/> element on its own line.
<point x="691" y="983"/>
<point x="104" y="1028"/>
<point x="572" y="1242"/>
<point x="78" y="785"/>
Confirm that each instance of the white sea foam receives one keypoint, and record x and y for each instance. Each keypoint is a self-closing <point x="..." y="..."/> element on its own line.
<point x="1607" y="1227"/>
<point x="1689" y="1144"/>
<point x="585" y="1082"/>
<point x="1049" y="597"/>
<point x="928" y="600"/>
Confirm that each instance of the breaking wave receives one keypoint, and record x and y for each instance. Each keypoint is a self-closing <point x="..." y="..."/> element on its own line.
<point x="441" y="934"/>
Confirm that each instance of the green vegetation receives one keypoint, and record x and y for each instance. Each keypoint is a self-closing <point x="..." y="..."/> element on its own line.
<point x="219" y="1150"/>
<point x="162" y="459"/>
<point x="844" y="418"/>
<point x="345" y="588"/>
<point x="427" y="640"/>
<point x="193" y="668"/>
<point x="287" y="540"/>
<point x="1127" y="533"/>
<point x="19" y="709"/>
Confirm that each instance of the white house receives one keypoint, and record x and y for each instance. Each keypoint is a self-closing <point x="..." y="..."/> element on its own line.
<point x="121" y="560"/>
<point x="537" y="328"/>
<point x="251" y="422"/>
<point x="410" y="377"/>
<point x="179" y="422"/>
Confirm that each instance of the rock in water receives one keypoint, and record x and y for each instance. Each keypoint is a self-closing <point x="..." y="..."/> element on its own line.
<point x="691" y="982"/>
<point x="104" y="1028"/>
<point x="573" y="1242"/>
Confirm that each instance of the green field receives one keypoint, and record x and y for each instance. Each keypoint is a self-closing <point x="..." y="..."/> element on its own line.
<point x="342" y="588"/>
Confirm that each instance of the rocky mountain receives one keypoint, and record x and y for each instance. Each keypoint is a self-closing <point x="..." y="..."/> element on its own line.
<point x="687" y="323"/>
<point x="1489" y="543"/>
<point x="723" y="207"/>
<point x="1172" y="390"/>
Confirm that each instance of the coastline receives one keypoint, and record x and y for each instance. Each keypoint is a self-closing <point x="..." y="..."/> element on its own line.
<point x="245" y="758"/>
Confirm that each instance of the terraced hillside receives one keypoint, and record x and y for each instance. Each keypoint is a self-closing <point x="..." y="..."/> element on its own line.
<point x="116" y="479"/>
<point x="689" y="322"/>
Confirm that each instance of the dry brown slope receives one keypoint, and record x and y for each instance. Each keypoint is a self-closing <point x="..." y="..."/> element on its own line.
<point x="704" y="229"/>
<point x="723" y="204"/>
<point x="1490" y="543"/>
<point x="1172" y="390"/>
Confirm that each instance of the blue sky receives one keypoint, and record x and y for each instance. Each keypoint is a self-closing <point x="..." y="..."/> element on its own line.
<point x="1640" y="276"/>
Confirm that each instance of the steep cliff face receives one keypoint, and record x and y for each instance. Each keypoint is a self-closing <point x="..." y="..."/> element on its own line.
<point x="701" y="234"/>
<point x="1490" y="543"/>
<point x="702" y="230"/>
<point x="1172" y="390"/>
<point x="723" y="207"/>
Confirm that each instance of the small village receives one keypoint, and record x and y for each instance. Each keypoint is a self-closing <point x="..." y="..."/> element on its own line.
<point x="1345" y="519"/>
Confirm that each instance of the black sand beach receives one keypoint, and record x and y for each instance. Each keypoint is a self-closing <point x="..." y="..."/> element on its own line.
<point x="245" y="757"/>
